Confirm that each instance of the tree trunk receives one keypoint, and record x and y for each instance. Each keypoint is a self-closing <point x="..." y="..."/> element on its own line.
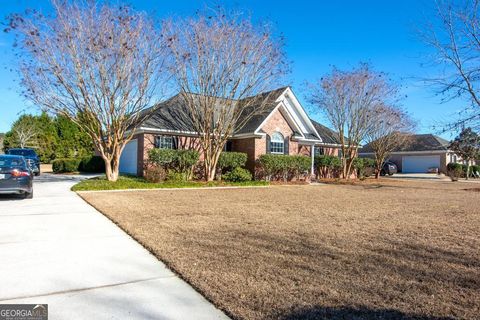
<point x="468" y="169"/>
<point x="378" y="167"/>
<point x="111" y="169"/>
<point x="210" y="166"/>
<point x="210" y="163"/>
<point x="209" y="173"/>
<point x="349" y="164"/>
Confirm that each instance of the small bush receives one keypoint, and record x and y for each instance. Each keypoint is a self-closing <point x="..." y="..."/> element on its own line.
<point x="455" y="171"/>
<point x="57" y="165"/>
<point x="363" y="166"/>
<point x="283" y="166"/>
<point x="93" y="164"/>
<point x="155" y="174"/>
<point x="162" y="157"/>
<point x="475" y="168"/>
<point x="176" y="176"/>
<point x="185" y="160"/>
<point x="327" y="166"/>
<point x="238" y="175"/>
<point x="65" y="165"/>
<point x="231" y="160"/>
<point x="298" y="166"/>
<point x="180" y="161"/>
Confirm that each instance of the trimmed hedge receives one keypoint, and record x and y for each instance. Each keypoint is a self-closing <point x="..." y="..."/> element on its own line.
<point x="162" y="157"/>
<point x="362" y="165"/>
<point x="475" y="168"/>
<point x="180" y="161"/>
<point x="65" y="165"/>
<point x="93" y="164"/>
<point x="231" y="160"/>
<point x="238" y="175"/>
<point x="327" y="166"/>
<point x="455" y="170"/>
<point x="284" y="166"/>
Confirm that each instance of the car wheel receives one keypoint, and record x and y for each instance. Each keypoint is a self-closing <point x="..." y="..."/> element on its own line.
<point x="37" y="174"/>
<point x="28" y="195"/>
<point x="382" y="173"/>
<point x="390" y="173"/>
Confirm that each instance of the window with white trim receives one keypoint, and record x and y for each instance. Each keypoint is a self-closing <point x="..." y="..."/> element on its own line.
<point x="319" y="151"/>
<point x="164" y="142"/>
<point x="277" y="143"/>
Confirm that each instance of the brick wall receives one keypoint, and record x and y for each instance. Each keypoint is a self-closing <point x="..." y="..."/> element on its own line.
<point x="247" y="146"/>
<point x="253" y="147"/>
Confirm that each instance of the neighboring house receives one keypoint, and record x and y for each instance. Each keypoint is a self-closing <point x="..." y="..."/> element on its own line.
<point x="421" y="154"/>
<point x="284" y="128"/>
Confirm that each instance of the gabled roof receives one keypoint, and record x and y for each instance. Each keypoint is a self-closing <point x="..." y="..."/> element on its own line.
<point x="328" y="135"/>
<point x="418" y="142"/>
<point x="256" y="120"/>
<point x="169" y="116"/>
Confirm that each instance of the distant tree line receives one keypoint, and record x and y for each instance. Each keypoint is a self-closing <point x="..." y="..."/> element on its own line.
<point x="51" y="137"/>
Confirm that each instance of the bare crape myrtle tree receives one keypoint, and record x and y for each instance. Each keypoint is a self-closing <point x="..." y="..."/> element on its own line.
<point x="95" y="63"/>
<point x="390" y="130"/>
<point x="219" y="62"/>
<point x="350" y="101"/>
<point x="454" y="36"/>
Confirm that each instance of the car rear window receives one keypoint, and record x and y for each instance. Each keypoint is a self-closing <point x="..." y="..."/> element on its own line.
<point x="11" y="162"/>
<point x="22" y="152"/>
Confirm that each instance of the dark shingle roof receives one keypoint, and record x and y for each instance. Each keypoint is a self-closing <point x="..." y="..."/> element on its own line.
<point x="170" y="114"/>
<point x="256" y="120"/>
<point x="418" y="142"/>
<point x="326" y="134"/>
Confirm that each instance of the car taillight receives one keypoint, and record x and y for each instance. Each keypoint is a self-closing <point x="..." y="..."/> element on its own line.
<point x="17" y="173"/>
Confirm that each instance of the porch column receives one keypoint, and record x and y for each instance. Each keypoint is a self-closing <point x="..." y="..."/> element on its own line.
<point x="312" y="155"/>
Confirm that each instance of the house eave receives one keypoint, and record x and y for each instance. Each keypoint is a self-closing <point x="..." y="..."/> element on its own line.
<point x="410" y="152"/>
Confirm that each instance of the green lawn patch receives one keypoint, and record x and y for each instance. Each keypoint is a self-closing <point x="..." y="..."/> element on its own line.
<point x="130" y="182"/>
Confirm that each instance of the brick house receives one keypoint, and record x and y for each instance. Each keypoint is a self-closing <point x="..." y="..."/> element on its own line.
<point x="422" y="153"/>
<point x="283" y="128"/>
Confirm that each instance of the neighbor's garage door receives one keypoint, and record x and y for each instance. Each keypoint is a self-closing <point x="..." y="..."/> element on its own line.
<point x="419" y="164"/>
<point x="128" y="159"/>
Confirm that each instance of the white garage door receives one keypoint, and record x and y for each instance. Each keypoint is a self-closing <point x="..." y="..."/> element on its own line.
<point x="128" y="159"/>
<point x="419" y="164"/>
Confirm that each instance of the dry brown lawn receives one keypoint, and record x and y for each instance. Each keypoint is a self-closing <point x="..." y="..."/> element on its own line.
<point x="394" y="250"/>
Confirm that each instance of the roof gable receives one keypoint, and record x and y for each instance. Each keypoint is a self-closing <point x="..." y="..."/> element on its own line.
<point x="169" y="116"/>
<point x="328" y="135"/>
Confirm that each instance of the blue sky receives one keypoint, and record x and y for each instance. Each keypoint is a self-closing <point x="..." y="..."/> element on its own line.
<point x="319" y="34"/>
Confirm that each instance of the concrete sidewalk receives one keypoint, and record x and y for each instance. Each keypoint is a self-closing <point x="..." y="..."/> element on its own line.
<point x="57" y="249"/>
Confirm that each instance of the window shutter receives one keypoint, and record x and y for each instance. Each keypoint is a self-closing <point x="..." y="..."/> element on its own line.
<point x="286" y="145"/>
<point x="268" y="143"/>
<point x="175" y="142"/>
<point x="157" y="142"/>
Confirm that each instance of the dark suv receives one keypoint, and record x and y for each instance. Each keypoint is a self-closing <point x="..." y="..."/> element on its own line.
<point x="389" y="168"/>
<point x="30" y="156"/>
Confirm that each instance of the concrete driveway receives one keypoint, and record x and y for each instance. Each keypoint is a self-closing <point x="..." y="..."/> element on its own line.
<point x="420" y="176"/>
<point x="59" y="250"/>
